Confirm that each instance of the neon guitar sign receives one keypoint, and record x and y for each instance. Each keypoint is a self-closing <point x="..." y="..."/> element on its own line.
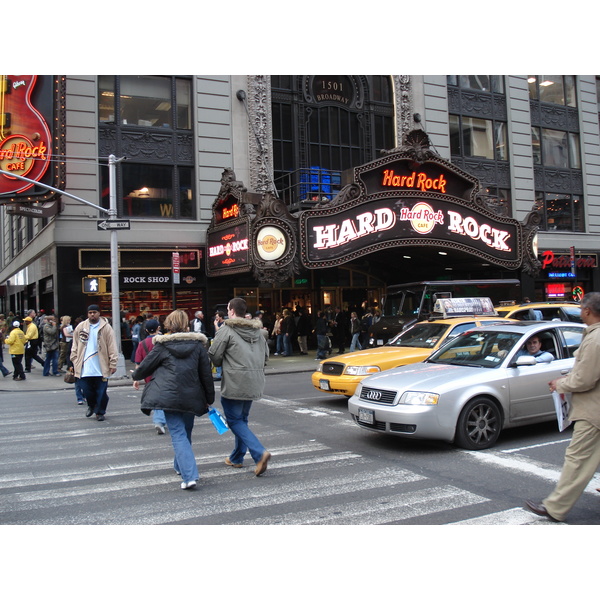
<point x="25" y="138"/>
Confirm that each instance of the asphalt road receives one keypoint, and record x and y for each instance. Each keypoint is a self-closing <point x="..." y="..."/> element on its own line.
<point x="59" y="468"/>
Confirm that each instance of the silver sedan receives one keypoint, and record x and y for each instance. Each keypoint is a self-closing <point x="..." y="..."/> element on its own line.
<point x="472" y="388"/>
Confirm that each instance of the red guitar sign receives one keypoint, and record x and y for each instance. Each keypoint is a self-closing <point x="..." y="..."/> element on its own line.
<point x="25" y="138"/>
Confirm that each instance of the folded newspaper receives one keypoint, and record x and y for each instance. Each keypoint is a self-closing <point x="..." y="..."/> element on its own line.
<point x="562" y="405"/>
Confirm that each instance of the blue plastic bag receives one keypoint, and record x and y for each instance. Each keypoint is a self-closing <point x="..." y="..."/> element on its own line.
<point x="218" y="420"/>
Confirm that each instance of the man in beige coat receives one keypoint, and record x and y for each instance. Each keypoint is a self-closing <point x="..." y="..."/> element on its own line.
<point x="94" y="356"/>
<point x="582" y="457"/>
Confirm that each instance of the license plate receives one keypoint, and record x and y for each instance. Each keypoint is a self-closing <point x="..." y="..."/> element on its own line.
<point x="324" y="384"/>
<point x="366" y="416"/>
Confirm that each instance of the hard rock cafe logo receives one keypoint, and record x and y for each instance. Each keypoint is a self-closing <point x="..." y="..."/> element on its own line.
<point x="270" y="243"/>
<point x="422" y="217"/>
<point x="18" y="154"/>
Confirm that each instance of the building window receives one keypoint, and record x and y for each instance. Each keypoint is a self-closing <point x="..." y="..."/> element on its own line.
<point x="553" y="89"/>
<point x="480" y="138"/>
<point x="484" y="83"/>
<point x="145" y="101"/>
<point x="323" y="125"/>
<point x="560" y="212"/>
<point x="553" y="148"/>
<point x="148" y="119"/>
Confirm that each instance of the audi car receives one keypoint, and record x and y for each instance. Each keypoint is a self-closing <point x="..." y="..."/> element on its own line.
<point x="478" y="384"/>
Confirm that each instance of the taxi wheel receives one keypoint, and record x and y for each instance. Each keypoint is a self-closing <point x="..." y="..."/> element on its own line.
<point x="479" y="425"/>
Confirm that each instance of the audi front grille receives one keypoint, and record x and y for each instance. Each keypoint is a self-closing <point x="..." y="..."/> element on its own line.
<point x="379" y="396"/>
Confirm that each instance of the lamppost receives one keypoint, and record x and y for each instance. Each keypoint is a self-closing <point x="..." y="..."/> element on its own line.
<point x="114" y="252"/>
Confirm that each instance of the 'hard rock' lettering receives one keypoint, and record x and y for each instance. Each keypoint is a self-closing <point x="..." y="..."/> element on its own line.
<point x="330" y="236"/>
<point x="492" y="237"/>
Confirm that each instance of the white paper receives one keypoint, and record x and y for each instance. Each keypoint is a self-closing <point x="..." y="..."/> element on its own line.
<point x="562" y="405"/>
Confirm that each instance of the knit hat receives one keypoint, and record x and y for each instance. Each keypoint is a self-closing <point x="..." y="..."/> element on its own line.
<point x="93" y="307"/>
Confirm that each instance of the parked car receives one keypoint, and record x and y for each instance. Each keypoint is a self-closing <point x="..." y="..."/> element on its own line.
<point x="542" y="311"/>
<point x="449" y="318"/>
<point x="472" y="388"/>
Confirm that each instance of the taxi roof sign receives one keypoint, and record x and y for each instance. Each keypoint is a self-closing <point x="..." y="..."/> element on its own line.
<point x="455" y="307"/>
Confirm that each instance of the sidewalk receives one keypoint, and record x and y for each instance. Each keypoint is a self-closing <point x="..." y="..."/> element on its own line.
<point x="36" y="382"/>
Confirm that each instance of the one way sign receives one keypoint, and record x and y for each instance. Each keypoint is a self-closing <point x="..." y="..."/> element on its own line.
<point x="108" y="224"/>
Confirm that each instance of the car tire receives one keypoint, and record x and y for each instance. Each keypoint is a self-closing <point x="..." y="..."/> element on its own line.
<point x="479" y="425"/>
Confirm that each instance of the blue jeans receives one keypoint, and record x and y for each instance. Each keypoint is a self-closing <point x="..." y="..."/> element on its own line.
<point x="79" y="392"/>
<point x="51" y="357"/>
<point x="287" y="345"/>
<point x="158" y="417"/>
<point x="322" y="346"/>
<point x="355" y="342"/>
<point x="279" y="344"/>
<point x="94" y="391"/>
<point x="180" y="426"/>
<point x="236" y="412"/>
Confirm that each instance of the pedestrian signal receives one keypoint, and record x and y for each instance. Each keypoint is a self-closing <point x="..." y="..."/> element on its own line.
<point x="93" y="285"/>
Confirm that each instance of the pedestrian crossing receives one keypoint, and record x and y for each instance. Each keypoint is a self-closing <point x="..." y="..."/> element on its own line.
<point x="65" y="469"/>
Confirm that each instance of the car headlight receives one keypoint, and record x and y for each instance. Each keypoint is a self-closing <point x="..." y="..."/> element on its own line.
<point x="320" y="368"/>
<point x="419" y="398"/>
<point x="362" y="370"/>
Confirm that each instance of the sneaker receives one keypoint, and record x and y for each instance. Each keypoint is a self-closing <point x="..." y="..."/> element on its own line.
<point x="80" y="402"/>
<point x="7" y="373"/>
<point x="89" y="412"/>
<point x="190" y="485"/>
<point x="261" y="465"/>
<point x="160" y="429"/>
<point x="99" y="417"/>
<point x="234" y="465"/>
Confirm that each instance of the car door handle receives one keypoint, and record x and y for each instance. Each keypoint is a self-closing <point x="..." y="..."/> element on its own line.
<point x="565" y="372"/>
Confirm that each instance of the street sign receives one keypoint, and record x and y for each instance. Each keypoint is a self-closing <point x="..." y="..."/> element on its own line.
<point x="176" y="267"/>
<point x="109" y="224"/>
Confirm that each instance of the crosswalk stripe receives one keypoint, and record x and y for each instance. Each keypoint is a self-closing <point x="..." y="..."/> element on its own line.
<point x="512" y="516"/>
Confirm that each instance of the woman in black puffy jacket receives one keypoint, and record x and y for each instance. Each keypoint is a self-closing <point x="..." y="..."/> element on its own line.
<point x="181" y="385"/>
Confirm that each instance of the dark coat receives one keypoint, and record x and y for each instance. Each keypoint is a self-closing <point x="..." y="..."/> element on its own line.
<point x="181" y="374"/>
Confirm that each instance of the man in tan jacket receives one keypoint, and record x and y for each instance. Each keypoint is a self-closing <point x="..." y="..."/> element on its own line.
<point x="582" y="457"/>
<point x="94" y="356"/>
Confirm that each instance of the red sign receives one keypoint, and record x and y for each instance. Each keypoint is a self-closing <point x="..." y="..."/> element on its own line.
<point x="25" y="139"/>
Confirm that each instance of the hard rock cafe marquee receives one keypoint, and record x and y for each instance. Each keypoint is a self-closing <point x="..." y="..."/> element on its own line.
<point x="409" y="197"/>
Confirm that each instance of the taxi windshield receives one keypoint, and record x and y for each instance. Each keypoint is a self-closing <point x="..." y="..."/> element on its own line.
<point x="477" y="348"/>
<point x="421" y="335"/>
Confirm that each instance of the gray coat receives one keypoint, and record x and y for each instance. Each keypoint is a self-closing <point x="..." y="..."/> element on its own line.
<point x="241" y="349"/>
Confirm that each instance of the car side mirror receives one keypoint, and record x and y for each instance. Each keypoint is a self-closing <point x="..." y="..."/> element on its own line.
<point x="524" y="361"/>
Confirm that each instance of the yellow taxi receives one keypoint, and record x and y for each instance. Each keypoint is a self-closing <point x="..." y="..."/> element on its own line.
<point x="542" y="311"/>
<point x="451" y="317"/>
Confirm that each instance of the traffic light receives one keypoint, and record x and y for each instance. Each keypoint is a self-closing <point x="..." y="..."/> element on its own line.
<point x="93" y="285"/>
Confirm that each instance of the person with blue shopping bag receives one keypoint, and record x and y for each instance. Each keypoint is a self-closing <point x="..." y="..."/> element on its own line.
<point x="181" y="385"/>
<point x="241" y="349"/>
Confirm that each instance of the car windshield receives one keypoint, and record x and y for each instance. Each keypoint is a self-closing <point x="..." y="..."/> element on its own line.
<point x="477" y="348"/>
<point x="573" y="313"/>
<point x="421" y="335"/>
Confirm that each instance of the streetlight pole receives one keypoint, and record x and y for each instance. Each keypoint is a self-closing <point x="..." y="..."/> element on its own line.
<point x="114" y="248"/>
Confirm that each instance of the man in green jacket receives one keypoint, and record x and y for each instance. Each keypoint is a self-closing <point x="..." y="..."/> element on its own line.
<point x="582" y="457"/>
<point x="241" y="349"/>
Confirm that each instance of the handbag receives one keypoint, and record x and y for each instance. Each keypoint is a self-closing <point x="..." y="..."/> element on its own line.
<point x="218" y="420"/>
<point x="69" y="377"/>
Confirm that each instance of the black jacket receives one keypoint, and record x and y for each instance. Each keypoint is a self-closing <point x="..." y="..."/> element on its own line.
<point x="181" y="374"/>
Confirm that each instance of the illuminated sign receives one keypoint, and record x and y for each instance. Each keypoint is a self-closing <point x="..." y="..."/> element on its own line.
<point x="563" y="261"/>
<point x="415" y="180"/>
<point x="561" y="275"/>
<point x="93" y="285"/>
<point x="27" y="107"/>
<point x="228" y="249"/>
<point x="271" y="243"/>
<point x="332" y="236"/>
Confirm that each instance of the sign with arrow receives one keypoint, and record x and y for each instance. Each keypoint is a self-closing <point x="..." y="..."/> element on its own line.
<point x="110" y="224"/>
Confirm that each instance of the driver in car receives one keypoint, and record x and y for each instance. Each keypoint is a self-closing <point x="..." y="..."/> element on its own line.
<point x="533" y="347"/>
